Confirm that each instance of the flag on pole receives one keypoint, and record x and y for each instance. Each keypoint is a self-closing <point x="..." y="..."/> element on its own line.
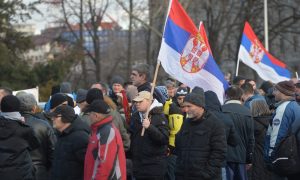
<point x="185" y="53"/>
<point x="254" y="55"/>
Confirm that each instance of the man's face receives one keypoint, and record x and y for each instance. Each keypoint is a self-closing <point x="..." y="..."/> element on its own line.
<point x="57" y="123"/>
<point x="136" y="78"/>
<point x="278" y="95"/>
<point x="253" y="84"/>
<point x="99" y="86"/>
<point x="192" y="110"/>
<point x="93" y="117"/>
<point x="143" y="105"/>
<point x="180" y="100"/>
<point x="171" y="91"/>
<point x="117" y="88"/>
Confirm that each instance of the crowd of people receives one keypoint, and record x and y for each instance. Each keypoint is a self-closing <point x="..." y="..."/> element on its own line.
<point x="121" y="131"/>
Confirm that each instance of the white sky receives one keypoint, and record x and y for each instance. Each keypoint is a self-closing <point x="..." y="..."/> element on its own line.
<point x="42" y="21"/>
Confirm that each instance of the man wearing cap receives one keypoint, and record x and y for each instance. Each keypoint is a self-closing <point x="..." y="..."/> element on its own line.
<point x="285" y="119"/>
<point x="149" y="152"/>
<point x="70" y="149"/>
<point x="105" y="156"/>
<point x="16" y="141"/>
<point x="200" y="145"/>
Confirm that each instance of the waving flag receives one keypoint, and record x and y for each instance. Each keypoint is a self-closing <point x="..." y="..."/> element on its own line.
<point x="254" y="55"/>
<point x="185" y="53"/>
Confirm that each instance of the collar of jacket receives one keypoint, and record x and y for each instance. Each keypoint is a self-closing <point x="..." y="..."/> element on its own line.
<point x="233" y="101"/>
<point x="144" y="87"/>
<point x="101" y="122"/>
<point x="280" y="102"/>
<point x="199" y="120"/>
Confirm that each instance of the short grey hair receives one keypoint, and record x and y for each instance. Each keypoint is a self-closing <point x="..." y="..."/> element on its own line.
<point x="27" y="101"/>
<point x="143" y="69"/>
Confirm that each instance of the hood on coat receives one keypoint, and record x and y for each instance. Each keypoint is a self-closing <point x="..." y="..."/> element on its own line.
<point x="211" y="101"/>
<point x="156" y="107"/>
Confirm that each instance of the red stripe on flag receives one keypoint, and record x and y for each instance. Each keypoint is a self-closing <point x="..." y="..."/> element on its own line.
<point x="248" y="31"/>
<point x="180" y="17"/>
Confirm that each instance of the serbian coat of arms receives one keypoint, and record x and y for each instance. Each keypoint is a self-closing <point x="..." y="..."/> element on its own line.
<point x="195" y="54"/>
<point x="256" y="52"/>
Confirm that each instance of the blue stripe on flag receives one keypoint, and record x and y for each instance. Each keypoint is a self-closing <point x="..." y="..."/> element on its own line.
<point x="265" y="60"/>
<point x="175" y="36"/>
<point x="212" y="67"/>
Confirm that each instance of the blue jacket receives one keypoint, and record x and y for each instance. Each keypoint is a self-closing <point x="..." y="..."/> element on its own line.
<point x="286" y="116"/>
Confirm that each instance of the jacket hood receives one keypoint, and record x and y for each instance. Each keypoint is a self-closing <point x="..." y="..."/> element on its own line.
<point x="211" y="101"/>
<point x="156" y="107"/>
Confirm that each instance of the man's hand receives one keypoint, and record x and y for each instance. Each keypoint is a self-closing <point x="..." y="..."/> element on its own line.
<point x="146" y="123"/>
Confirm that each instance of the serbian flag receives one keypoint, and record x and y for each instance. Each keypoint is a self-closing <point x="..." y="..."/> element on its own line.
<point x="254" y="55"/>
<point x="185" y="53"/>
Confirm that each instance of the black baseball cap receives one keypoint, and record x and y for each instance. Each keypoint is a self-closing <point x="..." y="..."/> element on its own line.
<point x="98" y="106"/>
<point x="67" y="113"/>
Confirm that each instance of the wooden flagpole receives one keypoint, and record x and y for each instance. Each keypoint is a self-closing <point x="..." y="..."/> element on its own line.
<point x="237" y="67"/>
<point x="152" y="91"/>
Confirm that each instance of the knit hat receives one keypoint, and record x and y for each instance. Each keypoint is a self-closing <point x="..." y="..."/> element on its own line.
<point x="181" y="91"/>
<point x="57" y="99"/>
<point x="196" y="97"/>
<point x="93" y="94"/>
<point x="10" y="103"/>
<point x="65" y="87"/>
<point x="67" y="113"/>
<point x="98" y="106"/>
<point x="117" y="80"/>
<point x="81" y="95"/>
<point x="286" y="87"/>
<point x="27" y="101"/>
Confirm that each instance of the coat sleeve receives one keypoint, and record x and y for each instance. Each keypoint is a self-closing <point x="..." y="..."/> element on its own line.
<point x="158" y="130"/>
<point x="232" y="136"/>
<point x="119" y="123"/>
<point x="81" y="145"/>
<point x="218" y="152"/>
<point x="107" y="153"/>
<point x="251" y="141"/>
<point x="51" y="138"/>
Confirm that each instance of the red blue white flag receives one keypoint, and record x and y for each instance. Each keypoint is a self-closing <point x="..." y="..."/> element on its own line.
<point x="254" y="55"/>
<point x="185" y="53"/>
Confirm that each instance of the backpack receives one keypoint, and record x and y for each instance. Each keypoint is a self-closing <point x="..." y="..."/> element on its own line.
<point x="286" y="155"/>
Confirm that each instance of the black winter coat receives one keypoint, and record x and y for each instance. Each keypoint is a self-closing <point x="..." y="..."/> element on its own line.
<point x="41" y="157"/>
<point x="200" y="146"/>
<point x="244" y="126"/>
<point x="259" y="170"/>
<point x="16" y="141"/>
<point x="69" y="153"/>
<point x="149" y="152"/>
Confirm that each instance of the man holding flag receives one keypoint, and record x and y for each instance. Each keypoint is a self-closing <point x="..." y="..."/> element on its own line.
<point x="185" y="54"/>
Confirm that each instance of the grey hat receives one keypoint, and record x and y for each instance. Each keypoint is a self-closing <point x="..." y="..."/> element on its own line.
<point x="66" y="87"/>
<point x="27" y="101"/>
<point x="117" y="80"/>
<point x="196" y="97"/>
<point x="81" y="95"/>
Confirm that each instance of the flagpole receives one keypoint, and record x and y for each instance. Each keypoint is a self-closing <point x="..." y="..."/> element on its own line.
<point x="152" y="91"/>
<point x="296" y="75"/>
<point x="266" y="24"/>
<point x="237" y="67"/>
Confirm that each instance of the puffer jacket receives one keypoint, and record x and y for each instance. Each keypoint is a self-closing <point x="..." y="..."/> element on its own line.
<point x="16" y="141"/>
<point x="41" y="157"/>
<point x="200" y="147"/>
<point x="149" y="152"/>
<point x="69" y="153"/>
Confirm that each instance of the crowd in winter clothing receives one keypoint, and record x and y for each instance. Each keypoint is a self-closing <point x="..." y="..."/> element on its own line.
<point x="122" y="131"/>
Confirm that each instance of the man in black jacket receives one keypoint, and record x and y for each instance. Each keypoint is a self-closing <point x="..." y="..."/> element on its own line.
<point x="70" y="149"/>
<point x="239" y="158"/>
<point x="149" y="152"/>
<point x="43" y="156"/>
<point x="201" y="143"/>
<point x="16" y="141"/>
